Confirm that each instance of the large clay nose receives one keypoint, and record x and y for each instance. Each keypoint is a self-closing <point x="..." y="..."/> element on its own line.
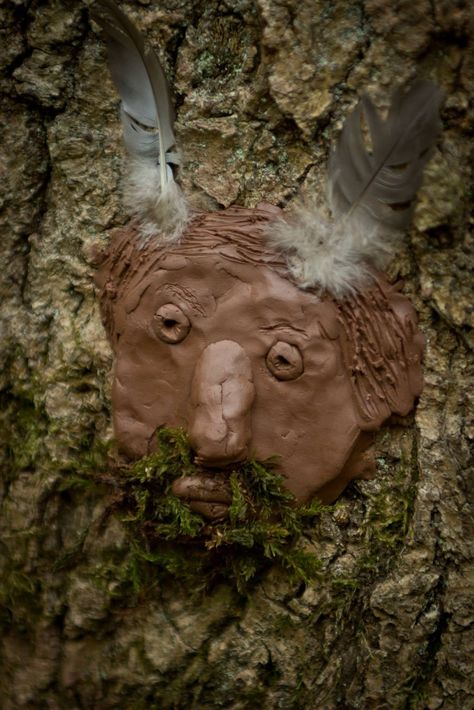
<point x="222" y="395"/>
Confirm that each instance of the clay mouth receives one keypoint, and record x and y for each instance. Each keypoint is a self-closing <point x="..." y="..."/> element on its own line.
<point x="210" y="497"/>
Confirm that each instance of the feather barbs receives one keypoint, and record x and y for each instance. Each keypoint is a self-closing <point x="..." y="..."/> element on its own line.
<point x="380" y="184"/>
<point x="371" y="189"/>
<point x="371" y="194"/>
<point x="147" y="116"/>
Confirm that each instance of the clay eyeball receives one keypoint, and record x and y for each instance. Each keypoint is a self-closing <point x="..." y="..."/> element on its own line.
<point x="170" y="324"/>
<point x="284" y="361"/>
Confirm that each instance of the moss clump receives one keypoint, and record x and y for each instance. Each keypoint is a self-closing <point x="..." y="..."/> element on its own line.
<point x="388" y="510"/>
<point x="262" y="527"/>
<point x="19" y="597"/>
<point x="22" y="429"/>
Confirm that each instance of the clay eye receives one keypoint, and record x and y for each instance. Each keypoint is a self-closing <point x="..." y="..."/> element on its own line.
<point x="284" y="361"/>
<point x="170" y="324"/>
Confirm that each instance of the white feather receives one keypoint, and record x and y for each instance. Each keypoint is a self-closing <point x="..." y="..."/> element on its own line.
<point x="162" y="213"/>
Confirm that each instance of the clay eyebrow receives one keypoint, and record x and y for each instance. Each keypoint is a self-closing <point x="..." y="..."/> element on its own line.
<point x="284" y="327"/>
<point x="177" y="292"/>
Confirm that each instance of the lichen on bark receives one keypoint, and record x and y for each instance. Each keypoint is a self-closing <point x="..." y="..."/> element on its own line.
<point x="261" y="89"/>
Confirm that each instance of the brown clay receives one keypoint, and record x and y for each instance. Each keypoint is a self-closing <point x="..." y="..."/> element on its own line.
<point x="213" y="336"/>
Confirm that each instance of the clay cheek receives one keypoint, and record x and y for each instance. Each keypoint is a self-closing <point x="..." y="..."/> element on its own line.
<point x="323" y="363"/>
<point x="151" y="382"/>
<point x="309" y="423"/>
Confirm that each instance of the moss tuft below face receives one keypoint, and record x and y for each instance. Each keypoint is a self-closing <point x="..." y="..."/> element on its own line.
<point x="166" y="537"/>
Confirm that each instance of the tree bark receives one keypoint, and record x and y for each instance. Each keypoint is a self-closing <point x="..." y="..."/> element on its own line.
<point x="261" y="90"/>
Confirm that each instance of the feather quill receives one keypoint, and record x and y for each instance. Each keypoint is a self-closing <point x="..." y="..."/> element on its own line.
<point x="147" y="120"/>
<point x="371" y="194"/>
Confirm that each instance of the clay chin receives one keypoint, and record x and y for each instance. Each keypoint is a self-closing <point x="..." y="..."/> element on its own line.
<point x="212" y="335"/>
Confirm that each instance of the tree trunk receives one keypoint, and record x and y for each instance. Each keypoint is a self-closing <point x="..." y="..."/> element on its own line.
<point x="261" y="89"/>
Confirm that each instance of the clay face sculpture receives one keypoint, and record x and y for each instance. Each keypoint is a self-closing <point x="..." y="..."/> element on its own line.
<point x="262" y="337"/>
<point x="211" y="335"/>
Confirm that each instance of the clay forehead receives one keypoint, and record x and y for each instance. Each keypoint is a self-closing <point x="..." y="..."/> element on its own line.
<point x="214" y="279"/>
<point x="220" y="253"/>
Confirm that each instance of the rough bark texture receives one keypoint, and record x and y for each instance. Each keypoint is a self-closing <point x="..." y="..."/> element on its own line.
<point x="261" y="89"/>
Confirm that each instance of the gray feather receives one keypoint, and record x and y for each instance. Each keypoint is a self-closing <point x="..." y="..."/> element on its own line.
<point x="140" y="80"/>
<point x="377" y="188"/>
<point x="371" y="194"/>
<point x="141" y="142"/>
<point x="150" y="192"/>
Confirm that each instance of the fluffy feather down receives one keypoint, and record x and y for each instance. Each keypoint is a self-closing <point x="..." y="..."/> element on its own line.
<point x="371" y="193"/>
<point x="150" y="193"/>
<point x="319" y="252"/>
<point x="161" y="213"/>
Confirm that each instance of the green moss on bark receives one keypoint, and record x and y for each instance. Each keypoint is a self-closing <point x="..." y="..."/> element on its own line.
<point x="166" y="537"/>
